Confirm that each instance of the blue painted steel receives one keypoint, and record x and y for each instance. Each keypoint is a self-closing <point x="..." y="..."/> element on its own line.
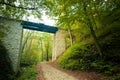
<point x="39" y="27"/>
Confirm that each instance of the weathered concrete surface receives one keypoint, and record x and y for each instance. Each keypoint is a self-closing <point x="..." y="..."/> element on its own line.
<point x="58" y="44"/>
<point x="12" y="40"/>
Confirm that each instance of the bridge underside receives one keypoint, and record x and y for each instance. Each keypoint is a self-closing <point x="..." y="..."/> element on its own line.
<point x="39" y="27"/>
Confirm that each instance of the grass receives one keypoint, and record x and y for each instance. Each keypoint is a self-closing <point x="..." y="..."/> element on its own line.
<point x="28" y="73"/>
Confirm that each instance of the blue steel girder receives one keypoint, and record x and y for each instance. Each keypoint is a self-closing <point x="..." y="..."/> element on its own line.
<point x="39" y="27"/>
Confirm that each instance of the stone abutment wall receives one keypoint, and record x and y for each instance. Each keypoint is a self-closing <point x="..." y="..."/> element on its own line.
<point x="58" y="44"/>
<point x="12" y="40"/>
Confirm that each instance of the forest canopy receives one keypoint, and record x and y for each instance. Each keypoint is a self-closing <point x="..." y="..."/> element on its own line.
<point x="92" y="30"/>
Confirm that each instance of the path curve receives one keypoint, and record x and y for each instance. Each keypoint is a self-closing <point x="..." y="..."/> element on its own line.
<point x="47" y="71"/>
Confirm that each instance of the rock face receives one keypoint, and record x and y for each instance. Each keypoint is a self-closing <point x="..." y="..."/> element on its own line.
<point x="58" y="44"/>
<point x="12" y="40"/>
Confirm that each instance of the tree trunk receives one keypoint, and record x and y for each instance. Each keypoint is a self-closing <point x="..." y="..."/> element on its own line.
<point x="70" y="35"/>
<point x="41" y="46"/>
<point x="29" y="45"/>
<point x="27" y="35"/>
<point x="47" y="51"/>
<point x="92" y="31"/>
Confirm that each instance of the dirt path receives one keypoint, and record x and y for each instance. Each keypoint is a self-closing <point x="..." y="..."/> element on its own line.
<point x="48" y="71"/>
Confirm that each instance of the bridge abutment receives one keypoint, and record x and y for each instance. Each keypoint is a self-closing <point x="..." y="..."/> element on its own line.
<point x="12" y="31"/>
<point x="58" y="44"/>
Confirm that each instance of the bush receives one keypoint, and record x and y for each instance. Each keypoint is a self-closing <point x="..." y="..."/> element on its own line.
<point x="104" y="67"/>
<point x="117" y="77"/>
<point x="76" y="57"/>
<point x="28" y="73"/>
<point x="29" y="59"/>
<point x="84" y="56"/>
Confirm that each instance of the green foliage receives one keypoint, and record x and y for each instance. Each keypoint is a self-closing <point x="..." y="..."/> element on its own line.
<point x="104" y="67"/>
<point x="83" y="55"/>
<point x="29" y="59"/>
<point x="28" y="73"/>
<point x="19" y="9"/>
<point x="116" y="77"/>
<point x="75" y="57"/>
<point x="35" y="47"/>
<point x="75" y="15"/>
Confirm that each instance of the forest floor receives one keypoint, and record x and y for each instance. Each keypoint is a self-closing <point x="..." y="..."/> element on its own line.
<point x="51" y="71"/>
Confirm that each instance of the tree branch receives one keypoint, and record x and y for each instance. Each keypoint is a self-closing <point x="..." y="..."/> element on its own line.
<point x="18" y="6"/>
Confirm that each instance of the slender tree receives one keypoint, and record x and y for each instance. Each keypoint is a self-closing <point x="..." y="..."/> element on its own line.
<point x="90" y="26"/>
<point x="41" y="46"/>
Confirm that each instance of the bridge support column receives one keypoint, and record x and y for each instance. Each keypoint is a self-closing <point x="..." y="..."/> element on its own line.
<point x="58" y="44"/>
<point x="11" y="40"/>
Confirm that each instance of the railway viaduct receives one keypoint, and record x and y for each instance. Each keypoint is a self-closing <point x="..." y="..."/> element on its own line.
<point x="11" y="38"/>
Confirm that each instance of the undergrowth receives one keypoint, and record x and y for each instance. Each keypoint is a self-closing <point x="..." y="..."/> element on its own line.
<point x="84" y="56"/>
<point x="28" y="73"/>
